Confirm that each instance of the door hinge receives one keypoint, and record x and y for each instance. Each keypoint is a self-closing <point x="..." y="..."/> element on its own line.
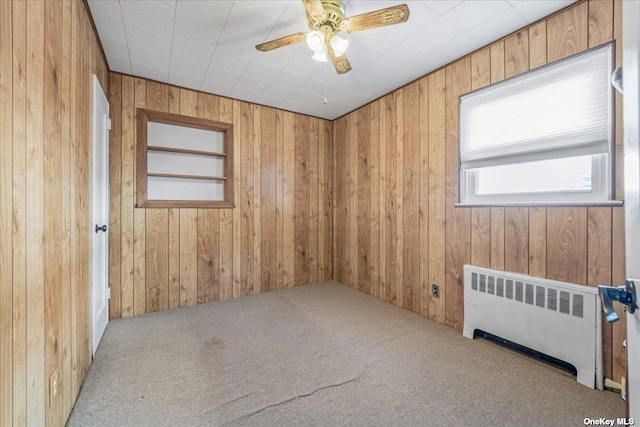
<point x="108" y="124"/>
<point x="108" y="292"/>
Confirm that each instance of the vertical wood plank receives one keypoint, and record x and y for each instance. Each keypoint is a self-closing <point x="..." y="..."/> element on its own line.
<point x="226" y="242"/>
<point x="341" y="233"/>
<point x="566" y="244"/>
<point x="6" y="207"/>
<point x="314" y="224"/>
<point x="301" y="216"/>
<point x="34" y="233"/>
<point x="538" y="45"/>
<point x="390" y="231"/>
<point x="289" y="249"/>
<point x="115" y="197"/>
<point x="458" y="221"/>
<point x="246" y="199"/>
<point x="126" y="245"/>
<point x="423" y="214"/>
<point x="411" y="202"/>
<point x="600" y="22"/>
<point x="19" y="226"/>
<point x="157" y="259"/>
<point x="567" y="32"/>
<point x="364" y="199"/>
<point x="374" y="205"/>
<point x="516" y="52"/>
<point x="188" y="258"/>
<point x="352" y="206"/>
<point x="538" y="242"/>
<point x="257" y="200"/>
<point x="437" y="193"/>
<point x="279" y="172"/>
<point x="399" y="198"/>
<point x="173" y="216"/>
<point x="516" y="240"/>
<point x="236" y="212"/>
<point x="139" y="235"/>
<point x="268" y="199"/>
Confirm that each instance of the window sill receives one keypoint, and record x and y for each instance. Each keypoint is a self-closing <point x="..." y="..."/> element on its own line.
<point x="608" y="203"/>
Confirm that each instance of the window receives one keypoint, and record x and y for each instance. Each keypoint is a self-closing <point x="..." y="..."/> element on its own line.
<point x="541" y="137"/>
<point x="183" y="161"/>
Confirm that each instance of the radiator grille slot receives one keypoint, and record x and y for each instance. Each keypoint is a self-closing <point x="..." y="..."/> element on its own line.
<point x="552" y="301"/>
<point x="578" y="305"/>
<point x="510" y="289"/>
<point x="483" y="283"/>
<point x="500" y="287"/>
<point x="528" y="296"/>
<point x="564" y="302"/>
<point x="491" y="285"/>
<point x="519" y="291"/>
<point x="474" y="281"/>
<point x="540" y="296"/>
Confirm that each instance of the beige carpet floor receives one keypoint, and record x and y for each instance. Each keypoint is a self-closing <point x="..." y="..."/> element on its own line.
<point x="319" y="355"/>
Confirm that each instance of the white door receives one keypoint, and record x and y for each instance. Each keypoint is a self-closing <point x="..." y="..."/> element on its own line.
<point x="631" y="116"/>
<point x="100" y="215"/>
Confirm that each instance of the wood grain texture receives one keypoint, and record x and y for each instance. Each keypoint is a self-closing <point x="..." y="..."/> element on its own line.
<point x="516" y="240"/>
<point x="566" y="244"/>
<point x="49" y="52"/>
<point x="567" y="32"/>
<point x="516" y="52"/>
<point x="423" y="204"/>
<point x="538" y="242"/>
<point x="364" y="200"/>
<point x="600" y="21"/>
<point x="538" y="45"/>
<point x="411" y="197"/>
<point x="268" y="196"/>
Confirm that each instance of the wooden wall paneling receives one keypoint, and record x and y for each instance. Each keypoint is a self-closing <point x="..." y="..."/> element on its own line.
<point x="567" y="32"/>
<point x="301" y="216"/>
<point x="173" y="218"/>
<point x="65" y="375"/>
<point x="481" y="217"/>
<point x="423" y="213"/>
<point x="538" y="45"/>
<point x="599" y="258"/>
<point x="268" y="196"/>
<point x="19" y="227"/>
<point x="437" y="193"/>
<point x="352" y="207"/>
<point x="208" y="280"/>
<point x="226" y="223"/>
<point x="363" y="117"/>
<point x="390" y="231"/>
<point x="314" y="224"/>
<point x="374" y="202"/>
<point x="35" y="218"/>
<point x="340" y="197"/>
<point x="279" y="172"/>
<point x="236" y="212"/>
<point x="538" y="242"/>
<point x="188" y="224"/>
<point x="566" y="244"/>
<point x="329" y="165"/>
<point x="257" y="200"/>
<point x="382" y="202"/>
<point x="115" y="198"/>
<point x="139" y="219"/>
<point x="618" y="276"/>
<point x="157" y="259"/>
<point x="6" y="207"/>
<point x="288" y="226"/>
<point x="516" y="53"/>
<point x="128" y="171"/>
<point x="53" y="177"/>
<point x="497" y="213"/>
<point x="600" y="22"/>
<point x="399" y="275"/>
<point x="458" y="220"/>
<point x="411" y="201"/>
<point x="246" y="198"/>
<point x="516" y="241"/>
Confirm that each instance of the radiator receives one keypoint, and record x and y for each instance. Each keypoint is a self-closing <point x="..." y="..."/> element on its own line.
<point x="559" y="319"/>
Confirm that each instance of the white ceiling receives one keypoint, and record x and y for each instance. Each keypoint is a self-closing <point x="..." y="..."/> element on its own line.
<point x="209" y="45"/>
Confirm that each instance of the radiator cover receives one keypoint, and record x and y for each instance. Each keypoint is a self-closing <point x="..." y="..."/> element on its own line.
<point x="556" y="318"/>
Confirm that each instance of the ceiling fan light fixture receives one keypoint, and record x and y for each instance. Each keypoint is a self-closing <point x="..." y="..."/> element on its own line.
<point x="315" y="40"/>
<point x="321" y="55"/>
<point x="339" y="45"/>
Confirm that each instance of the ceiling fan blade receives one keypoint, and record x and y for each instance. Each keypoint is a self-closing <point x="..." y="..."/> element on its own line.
<point x="314" y="8"/>
<point x="377" y="18"/>
<point x="282" y="41"/>
<point x="341" y="63"/>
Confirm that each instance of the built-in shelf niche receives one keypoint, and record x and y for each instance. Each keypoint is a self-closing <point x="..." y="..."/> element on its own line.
<point x="183" y="161"/>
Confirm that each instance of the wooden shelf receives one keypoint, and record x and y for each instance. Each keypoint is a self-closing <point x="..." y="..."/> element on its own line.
<point x="171" y="175"/>
<point x="185" y="151"/>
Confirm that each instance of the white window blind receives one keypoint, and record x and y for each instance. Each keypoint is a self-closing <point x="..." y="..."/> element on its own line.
<point x="560" y="110"/>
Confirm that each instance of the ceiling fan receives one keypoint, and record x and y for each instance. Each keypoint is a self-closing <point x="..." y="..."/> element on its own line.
<point x="326" y="19"/>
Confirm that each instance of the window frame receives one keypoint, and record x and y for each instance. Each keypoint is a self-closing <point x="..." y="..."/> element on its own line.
<point x="603" y="165"/>
<point x="143" y="117"/>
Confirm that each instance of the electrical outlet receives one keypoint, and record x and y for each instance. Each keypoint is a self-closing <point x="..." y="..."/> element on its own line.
<point x="435" y="290"/>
